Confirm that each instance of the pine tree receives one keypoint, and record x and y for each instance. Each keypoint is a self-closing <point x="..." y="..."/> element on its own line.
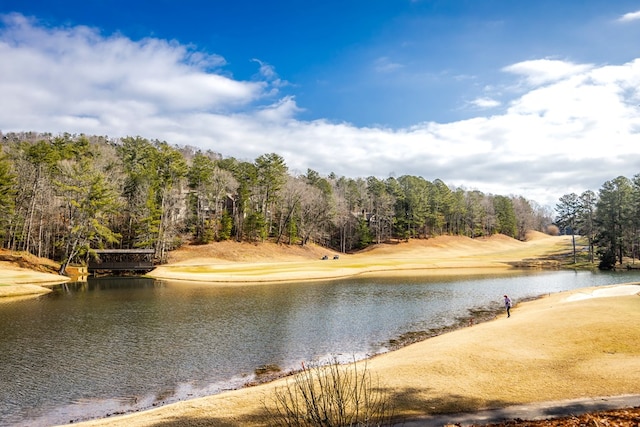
<point x="7" y="195"/>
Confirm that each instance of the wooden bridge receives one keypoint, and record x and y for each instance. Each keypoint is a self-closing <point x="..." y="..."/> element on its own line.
<point x="121" y="260"/>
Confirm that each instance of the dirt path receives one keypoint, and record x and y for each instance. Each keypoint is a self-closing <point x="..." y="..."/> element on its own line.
<point x="618" y="411"/>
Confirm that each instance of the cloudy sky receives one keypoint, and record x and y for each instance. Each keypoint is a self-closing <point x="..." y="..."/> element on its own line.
<point x="537" y="99"/>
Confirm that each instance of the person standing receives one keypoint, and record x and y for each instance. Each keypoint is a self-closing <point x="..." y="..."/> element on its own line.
<point x="507" y="305"/>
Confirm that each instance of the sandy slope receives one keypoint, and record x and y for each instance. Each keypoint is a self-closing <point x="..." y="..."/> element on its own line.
<point x="23" y="275"/>
<point x="220" y="262"/>
<point x="23" y="282"/>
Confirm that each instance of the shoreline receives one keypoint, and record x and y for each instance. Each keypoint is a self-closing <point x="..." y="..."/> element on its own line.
<point x="403" y="340"/>
<point x="267" y="375"/>
<point x="21" y="283"/>
<point x="271" y="376"/>
<point x="405" y="363"/>
<point x="315" y="276"/>
<point x="228" y="263"/>
<point x="231" y="263"/>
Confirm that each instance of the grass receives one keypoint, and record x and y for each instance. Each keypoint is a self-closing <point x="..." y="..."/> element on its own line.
<point x="238" y="262"/>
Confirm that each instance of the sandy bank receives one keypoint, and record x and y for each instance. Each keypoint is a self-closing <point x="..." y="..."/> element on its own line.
<point x="23" y="275"/>
<point x="213" y="263"/>
<point x="608" y="291"/>
<point x="555" y="348"/>
<point x="232" y="262"/>
<point x="21" y="282"/>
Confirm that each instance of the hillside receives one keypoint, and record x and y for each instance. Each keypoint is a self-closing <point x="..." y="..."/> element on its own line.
<point x="267" y="262"/>
<point x="25" y="275"/>
<point x="27" y="261"/>
<point x="232" y="251"/>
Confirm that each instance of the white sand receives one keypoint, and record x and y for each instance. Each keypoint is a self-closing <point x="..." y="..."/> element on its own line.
<point x="605" y="291"/>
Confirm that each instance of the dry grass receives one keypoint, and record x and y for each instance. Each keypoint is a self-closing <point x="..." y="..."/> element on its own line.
<point x="239" y="252"/>
<point x="548" y="350"/>
<point x="233" y="262"/>
<point x="27" y="261"/>
<point x="330" y="395"/>
<point x="23" y="275"/>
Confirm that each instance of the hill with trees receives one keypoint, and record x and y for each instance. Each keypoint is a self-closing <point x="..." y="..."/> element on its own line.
<point x="63" y="195"/>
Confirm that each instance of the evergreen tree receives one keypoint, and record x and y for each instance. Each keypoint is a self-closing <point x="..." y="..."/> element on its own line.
<point x="568" y="211"/>
<point x="153" y="192"/>
<point x="7" y="195"/>
<point x="475" y="213"/>
<point x="416" y="206"/>
<point x="613" y="218"/>
<point x="363" y="234"/>
<point x="635" y="216"/>
<point x="505" y="216"/>
<point x="271" y="178"/>
<point x="87" y="201"/>
<point x="586" y="219"/>
<point x="200" y="176"/>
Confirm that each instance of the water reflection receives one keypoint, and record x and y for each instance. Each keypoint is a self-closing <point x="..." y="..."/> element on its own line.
<point x="114" y="345"/>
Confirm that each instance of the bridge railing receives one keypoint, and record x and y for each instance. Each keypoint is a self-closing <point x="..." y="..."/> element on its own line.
<point x="120" y="266"/>
<point x="122" y="260"/>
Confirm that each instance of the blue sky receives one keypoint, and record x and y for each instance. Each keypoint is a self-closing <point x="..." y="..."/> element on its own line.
<point x="508" y="97"/>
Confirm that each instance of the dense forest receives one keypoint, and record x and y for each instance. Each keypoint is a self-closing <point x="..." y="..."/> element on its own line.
<point x="63" y="195"/>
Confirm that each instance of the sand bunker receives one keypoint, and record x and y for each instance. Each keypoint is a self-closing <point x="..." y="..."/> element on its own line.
<point x="606" y="291"/>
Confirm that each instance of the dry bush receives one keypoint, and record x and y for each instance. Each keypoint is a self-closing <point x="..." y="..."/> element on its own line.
<point x="553" y="230"/>
<point x="331" y="395"/>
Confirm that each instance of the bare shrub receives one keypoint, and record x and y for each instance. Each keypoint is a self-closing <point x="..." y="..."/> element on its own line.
<point x="553" y="230"/>
<point x="331" y="395"/>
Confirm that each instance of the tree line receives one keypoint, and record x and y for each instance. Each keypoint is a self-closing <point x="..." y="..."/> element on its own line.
<point x="610" y="220"/>
<point x="63" y="195"/>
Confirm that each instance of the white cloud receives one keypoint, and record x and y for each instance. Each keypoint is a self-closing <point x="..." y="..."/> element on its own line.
<point x="576" y="128"/>
<point x="268" y="74"/>
<point x="53" y="70"/>
<point x="281" y="111"/>
<point x="486" y="103"/>
<point x="631" y="16"/>
<point x="541" y="71"/>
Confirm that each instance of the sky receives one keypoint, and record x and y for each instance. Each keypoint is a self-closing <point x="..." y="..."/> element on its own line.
<point x="535" y="99"/>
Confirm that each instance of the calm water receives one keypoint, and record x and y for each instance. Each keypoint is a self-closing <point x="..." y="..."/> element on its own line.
<point x="118" y="345"/>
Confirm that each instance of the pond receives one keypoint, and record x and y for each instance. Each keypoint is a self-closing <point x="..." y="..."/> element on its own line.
<point x="116" y="345"/>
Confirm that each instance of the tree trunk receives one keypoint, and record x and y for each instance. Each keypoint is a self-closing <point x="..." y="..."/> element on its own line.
<point x="68" y="258"/>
